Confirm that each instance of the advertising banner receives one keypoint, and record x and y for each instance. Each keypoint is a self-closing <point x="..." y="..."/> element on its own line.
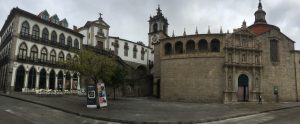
<point x="101" y="95"/>
<point x="91" y="96"/>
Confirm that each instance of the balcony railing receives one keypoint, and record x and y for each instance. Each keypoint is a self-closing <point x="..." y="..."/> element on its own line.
<point x="40" y="62"/>
<point x="47" y="42"/>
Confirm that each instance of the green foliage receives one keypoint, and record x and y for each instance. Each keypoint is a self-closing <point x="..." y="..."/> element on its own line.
<point x="118" y="78"/>
<point x="92" y="65"/>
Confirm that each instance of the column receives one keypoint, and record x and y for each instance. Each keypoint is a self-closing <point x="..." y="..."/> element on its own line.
<point x="234" y="86"/>
<point x="26" y="80"/>
<point x="37" y="80"/>
<point x="64" y="82"/>
<point x="56" y="76"/>
<point x="78" y="82"/>
<point x="47" y="81"/>
<point x="13" y="78"/>
<point x="71" y="82"/>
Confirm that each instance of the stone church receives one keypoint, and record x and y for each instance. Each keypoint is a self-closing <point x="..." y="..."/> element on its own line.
<point x="225" y="67"/>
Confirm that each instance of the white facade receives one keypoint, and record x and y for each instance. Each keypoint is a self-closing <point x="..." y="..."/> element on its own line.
<point x="126" y="50"/>
<point x="97" y="35"/>
<point x="35" y="56"/>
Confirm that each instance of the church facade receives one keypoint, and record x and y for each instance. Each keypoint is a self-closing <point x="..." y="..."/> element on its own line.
<point x="252" y="61"/>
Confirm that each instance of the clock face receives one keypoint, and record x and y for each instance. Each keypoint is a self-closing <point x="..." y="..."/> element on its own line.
<point x="154" y="39"/>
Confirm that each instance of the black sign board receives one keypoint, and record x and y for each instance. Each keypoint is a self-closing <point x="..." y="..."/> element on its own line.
<point x="91" y="96"/>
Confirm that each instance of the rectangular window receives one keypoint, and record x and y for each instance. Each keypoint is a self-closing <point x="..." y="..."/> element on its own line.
<point x="274" y="51"/>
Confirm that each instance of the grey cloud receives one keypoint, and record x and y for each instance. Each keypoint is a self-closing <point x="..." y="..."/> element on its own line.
<point x="128" y="18"/>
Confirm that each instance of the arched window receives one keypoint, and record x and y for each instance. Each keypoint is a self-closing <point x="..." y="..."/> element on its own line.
<point x="69" y="41"/>
<point x="202" y="46"/>
<point x="22" y="51"/>
<point x="45" y="35"/>
<point x="76" y="44"/>
<point x="62" y="39"/>
<point x="44" y="55"/>
<point x="215" y="45"/>
<point x="52" y="57"/>
<point x="178" y="47"/>
<point x="68" y="57"/>
<point x="168" y="49"/>
<point x="35" y="32"/>
<point x="274" y="51"/>
<point x="155" y="27"/>
<point x="34" y="53"/>
<point x="61" y="57"/>
<point x="166" y="28"/>
<point x="25" y="29"/>
<point x="190" y="46"/>
<point x="54" y="37"/>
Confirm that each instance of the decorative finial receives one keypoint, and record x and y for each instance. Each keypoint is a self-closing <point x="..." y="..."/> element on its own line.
<point x="196" y="30"/>
<point x="208" y="32"/>
<point x="158" y="10"/>
<point x="259" y="5"/>
<point x="184" y="32"/>
<point x="173" y="35"/>
<point x="221" y="30"/>
<point x="100" y="18"/>
<point x="244" y="24"/>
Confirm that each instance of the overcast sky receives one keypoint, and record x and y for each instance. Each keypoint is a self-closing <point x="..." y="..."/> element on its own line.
<point x="128" y="19"/>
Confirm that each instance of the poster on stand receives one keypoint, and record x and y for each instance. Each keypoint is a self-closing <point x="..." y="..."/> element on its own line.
<point x="101" y="95"/>
<point x="91" y="96"/>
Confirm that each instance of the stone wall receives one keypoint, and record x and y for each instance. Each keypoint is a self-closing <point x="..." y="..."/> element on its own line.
<point x="193" y="79"/>
<point x="282" y="73"/>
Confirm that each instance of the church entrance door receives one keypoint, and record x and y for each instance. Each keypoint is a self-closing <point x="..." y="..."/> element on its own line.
<point x="243" y="88"/>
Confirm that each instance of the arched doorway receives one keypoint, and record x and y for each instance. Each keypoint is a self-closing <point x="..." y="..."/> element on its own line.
<point x="243" y="88"/>
<point x="31" y="78"/>
<point x="52" y="80"/>
<point x="42" y="83"/>
<point x="20" y="79"/>
<point x="75" y="81"/>
<point x="60" y="80"/>
<point x="68" y="81"/>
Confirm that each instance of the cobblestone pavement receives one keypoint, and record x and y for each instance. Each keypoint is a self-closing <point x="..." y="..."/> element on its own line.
<point x="150" y="110"/>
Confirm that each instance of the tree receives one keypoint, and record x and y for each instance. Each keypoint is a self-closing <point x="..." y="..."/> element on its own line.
<point x="118" y="78"/>
<point x="92" y="65"/>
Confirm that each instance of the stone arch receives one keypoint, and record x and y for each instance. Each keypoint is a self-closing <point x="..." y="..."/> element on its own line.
<point x="215" y="45"/>
<point x="20" y="78"/>
<point x="60" y="79"/>
<point x="31" y="78"/>
<point x="68" y="81"/>
<point x="168" y="49"/>
<point x="52" y="77"/>
<point x="155" y="27"/>
<point x="190" y="46"/>
<point x="178" y="47"/>
<point x="43" y="78"/>
<point x="202" y="45"/>
<point x="243" y="87"/>
<point x="75" y="81"/>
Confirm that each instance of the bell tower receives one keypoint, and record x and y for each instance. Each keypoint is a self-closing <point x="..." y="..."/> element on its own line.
<point x="260" y="14"/>
<point x="158" y="28"/>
